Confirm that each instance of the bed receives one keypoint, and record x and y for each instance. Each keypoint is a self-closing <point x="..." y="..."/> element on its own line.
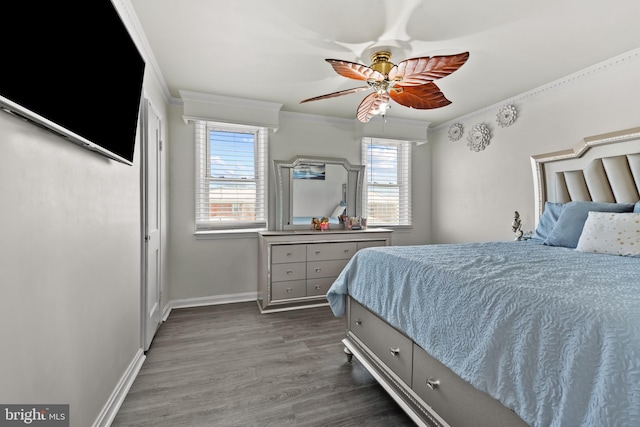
<point x="539" y="332"/>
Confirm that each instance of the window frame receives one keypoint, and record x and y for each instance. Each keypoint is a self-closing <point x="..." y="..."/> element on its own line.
<point x="404" y="184"/>
<point x="203" y="222"/>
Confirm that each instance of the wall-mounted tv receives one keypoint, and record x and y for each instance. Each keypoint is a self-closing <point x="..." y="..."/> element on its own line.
<point x="73" y="68"/>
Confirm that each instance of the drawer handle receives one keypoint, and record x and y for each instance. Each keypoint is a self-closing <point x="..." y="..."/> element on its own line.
<point x="289" y="271"/>
<point x="346" y="251"/>
<point x="318" y="269"/>
<point x="318" y="287"/>
<point x="359" y="322"/>
<point x="433" y="384"/>
<point x="394" y="351"/>
<point x="289" y="290"/>
<point x="289" y="254"/>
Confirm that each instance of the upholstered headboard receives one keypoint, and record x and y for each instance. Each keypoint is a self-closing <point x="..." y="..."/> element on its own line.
<point x="602" y="168"/>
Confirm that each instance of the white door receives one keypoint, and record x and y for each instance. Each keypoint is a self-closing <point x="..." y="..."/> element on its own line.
<point x="151" y="283"/>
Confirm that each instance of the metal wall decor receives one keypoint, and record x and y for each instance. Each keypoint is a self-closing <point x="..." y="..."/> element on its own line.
<point x="479" y="137"/>
<point x="506" y="115"/>
<point x="455" y="132"/>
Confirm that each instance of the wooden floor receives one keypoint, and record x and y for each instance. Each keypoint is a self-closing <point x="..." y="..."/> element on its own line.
<point x="229" y="365"/>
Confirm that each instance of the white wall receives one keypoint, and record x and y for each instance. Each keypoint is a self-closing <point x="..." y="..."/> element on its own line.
<point x="70" y="254"/>
<point x="70" y="263"/>
<point x="475" y="194"/>
<point x="223" y="267"/>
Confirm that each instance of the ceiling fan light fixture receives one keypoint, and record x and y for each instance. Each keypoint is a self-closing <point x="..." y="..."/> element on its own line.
<point x="381" y="110"/>
<point x="381" y="86"/>
<point x="409" y="83"/>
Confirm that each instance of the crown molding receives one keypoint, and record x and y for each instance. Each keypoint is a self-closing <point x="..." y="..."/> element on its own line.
<point x="316" y="118"/>
<point x="132" y="23"/>
<point x="224" y="101"/>
<point x="542" y="90"/>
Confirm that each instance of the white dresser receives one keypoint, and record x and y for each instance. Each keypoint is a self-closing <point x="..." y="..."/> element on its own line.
<point x="298" y="267"/>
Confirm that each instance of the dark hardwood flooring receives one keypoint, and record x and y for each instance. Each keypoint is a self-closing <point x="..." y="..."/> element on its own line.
<point x="229" y="365"/>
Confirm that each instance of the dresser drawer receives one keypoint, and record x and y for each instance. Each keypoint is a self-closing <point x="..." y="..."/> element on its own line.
<point x="390" y="345"/>
<point x="319" y="286"/>
<point x="288" y="253"/>
<point x="331" y="268"/>
<point x="326" y="251"/>
<point x="291" y="289"/>
<point x="446" y="393"/>
<point x="290" y="271"/>
<point x="371" y="244"/>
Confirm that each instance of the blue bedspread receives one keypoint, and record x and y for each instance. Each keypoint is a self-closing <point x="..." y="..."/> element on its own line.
<point x="552" y="333"/>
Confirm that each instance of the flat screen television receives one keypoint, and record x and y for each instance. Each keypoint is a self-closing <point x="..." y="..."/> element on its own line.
<point x="73" y="68"/>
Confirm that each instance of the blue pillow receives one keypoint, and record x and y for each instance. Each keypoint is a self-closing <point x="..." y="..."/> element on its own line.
<point x="569" y="226"/>
<point x="547" y="220"/>
<point x="636" y="209"/>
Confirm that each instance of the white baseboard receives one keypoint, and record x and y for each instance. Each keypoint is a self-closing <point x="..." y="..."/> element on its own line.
<point x="211" y="300"/>
<point x="111" y="408"/>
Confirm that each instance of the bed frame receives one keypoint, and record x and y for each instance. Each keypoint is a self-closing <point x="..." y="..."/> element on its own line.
<point x="602" y="168"/>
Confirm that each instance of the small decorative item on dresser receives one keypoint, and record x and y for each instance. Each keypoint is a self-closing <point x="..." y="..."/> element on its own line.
<point x="507" y="115"/>
<point x="355" y="223"/>
<point x="455" y="132"/>
<point x="479" y="137"/>
<point x="320" y="224"/>
<point x="347" y="223"/>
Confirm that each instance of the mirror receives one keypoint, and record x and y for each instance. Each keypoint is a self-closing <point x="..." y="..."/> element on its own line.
<point x="308" y="187"/>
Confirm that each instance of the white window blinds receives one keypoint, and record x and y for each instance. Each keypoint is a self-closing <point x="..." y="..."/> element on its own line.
<point x="231" y="176"/>
<point x="387" y="193"/>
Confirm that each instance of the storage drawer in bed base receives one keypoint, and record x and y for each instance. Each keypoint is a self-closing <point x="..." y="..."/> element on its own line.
<point x="408" y="400"/>
<point x="432" y="395"/>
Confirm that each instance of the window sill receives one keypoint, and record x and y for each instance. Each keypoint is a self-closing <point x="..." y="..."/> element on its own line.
<point x="243" y="233"/>
<point x="393" y="227"/>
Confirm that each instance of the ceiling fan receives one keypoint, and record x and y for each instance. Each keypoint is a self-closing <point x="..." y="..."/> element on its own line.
<point x="409" y="83"/>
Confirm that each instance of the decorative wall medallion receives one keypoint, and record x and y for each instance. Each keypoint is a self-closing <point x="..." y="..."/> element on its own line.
<point x="507" y="115"/>
<point x="455" y="132"/>
<point x="479" y="137"/>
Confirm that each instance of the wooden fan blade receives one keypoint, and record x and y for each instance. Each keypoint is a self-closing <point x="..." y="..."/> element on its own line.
<point x="355" y="71"/>
<point x="335" y="94"/>
<point x="370" y="105"/>
<point x="423" y="97"/>
<point x="418" y="71"/>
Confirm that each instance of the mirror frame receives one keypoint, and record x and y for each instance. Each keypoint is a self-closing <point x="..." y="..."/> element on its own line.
<point x="284" y="185"/>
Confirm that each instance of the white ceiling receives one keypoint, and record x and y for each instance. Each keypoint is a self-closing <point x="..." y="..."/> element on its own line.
<point x="274" y="50"/>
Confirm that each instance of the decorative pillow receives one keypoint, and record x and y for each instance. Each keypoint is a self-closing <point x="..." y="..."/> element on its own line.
<point x="611" y="233"/>
<point x="567" y="230"/>
<point x="636" y="209"/>
<point x="339" y="210"/>
<point x="548" y="219"/>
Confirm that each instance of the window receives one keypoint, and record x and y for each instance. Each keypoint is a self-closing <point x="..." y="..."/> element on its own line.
<point x="387" y="192"/>
<point x="231" y="168"/>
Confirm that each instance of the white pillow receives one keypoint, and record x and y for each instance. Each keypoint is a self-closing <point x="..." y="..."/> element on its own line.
<point x="611" y="233"/>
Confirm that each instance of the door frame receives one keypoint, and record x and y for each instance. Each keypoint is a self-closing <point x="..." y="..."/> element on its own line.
<point x="145" y="109"/>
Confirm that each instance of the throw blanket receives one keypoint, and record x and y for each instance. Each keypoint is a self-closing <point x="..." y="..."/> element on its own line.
<point x="552" y="333"/>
